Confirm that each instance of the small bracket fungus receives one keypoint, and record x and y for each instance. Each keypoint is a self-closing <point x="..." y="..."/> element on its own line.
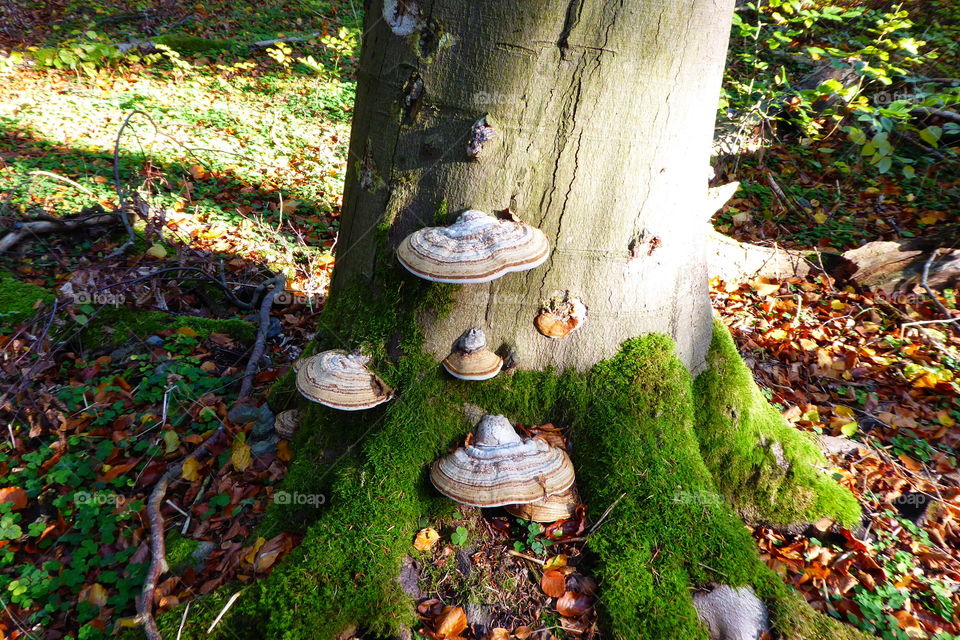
<point x="481" y="133"/>
<point x="560" y="318"/>
<point x="471" y="359"/>
<point x="341" y="380"/>
<point x="403" y="16"/>
<point x="550" y="509"/>
<point x="286" y="423"/>
<point x="500" y="468"/>
<point x="476" y="248"/>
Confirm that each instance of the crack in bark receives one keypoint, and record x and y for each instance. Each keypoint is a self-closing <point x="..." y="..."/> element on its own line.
<point x="574" y="10"/>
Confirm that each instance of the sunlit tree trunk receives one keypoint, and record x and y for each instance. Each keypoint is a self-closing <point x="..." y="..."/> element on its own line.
<point x="602" y="117"/>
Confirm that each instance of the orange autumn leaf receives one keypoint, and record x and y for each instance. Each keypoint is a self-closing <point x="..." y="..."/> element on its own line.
<point x="553" y="583"/>
<point x="573" y="605"/>
<point x="16" y="495"/>
<point x="451" y="622"/>
<point x="425" y="539"/>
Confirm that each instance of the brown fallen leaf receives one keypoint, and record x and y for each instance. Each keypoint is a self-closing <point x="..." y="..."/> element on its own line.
<point x="497" y="633"/>
<point x="553" y="583"/>
<point x="573" y="605"/>
<point x="522" y="632"/>
<point x="451" y="622"/>
<point x="94" y="594"/>
<point x="16" y="495"/>
<point x="269" y="553"/>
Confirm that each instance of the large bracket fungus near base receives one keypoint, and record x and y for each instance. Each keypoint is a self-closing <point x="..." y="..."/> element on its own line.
<point x="500" y="468"/>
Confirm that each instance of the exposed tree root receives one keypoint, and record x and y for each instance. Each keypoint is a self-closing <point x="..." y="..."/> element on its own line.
<point x="632" y="424"/>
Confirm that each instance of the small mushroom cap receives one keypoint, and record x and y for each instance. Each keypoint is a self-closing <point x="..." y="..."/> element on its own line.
<point x="478" y="365"/>
<point x="286" y="423"/>
<point x="500" y="468"/>
<point x="341" y="380"/>
<point x="470" y="358"/>
<point x="476" y="248"/>
<point x="550" y="509"/>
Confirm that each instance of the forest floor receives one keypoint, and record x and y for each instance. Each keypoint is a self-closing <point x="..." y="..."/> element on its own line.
<point x="237" y="154"/>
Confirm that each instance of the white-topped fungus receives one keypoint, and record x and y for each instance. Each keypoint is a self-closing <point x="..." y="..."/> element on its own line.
<point x="471" y="359"/>
<point x="341" y="380"/>
<point x="499" y="468"/>
<point x="476" y="248"/>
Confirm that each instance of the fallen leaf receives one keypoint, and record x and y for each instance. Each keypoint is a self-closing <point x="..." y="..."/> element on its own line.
<point x="451" y="622"/>
<point x="573" y="605"/>
<point x="191" y="469"/>
<point x="553" y="583"/>
<point x="240" y="455"/>
<point x="425" y="539"/>
<point x="94" y="594"/>
<point x="156" y="251"/>
<point x="16" y="495"/>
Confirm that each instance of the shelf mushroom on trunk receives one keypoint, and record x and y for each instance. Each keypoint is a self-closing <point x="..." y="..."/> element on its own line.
<point x="476" y="248"/>
<point x="500" y="468"/>
<point x="341" y="380"/>
<point x="471" y="359"/>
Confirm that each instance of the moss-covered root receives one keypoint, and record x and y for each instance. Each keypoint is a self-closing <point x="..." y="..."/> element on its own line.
<point x="344" y="572"/>
<point x="767" y="469"/>
<point x="668" y="530"/>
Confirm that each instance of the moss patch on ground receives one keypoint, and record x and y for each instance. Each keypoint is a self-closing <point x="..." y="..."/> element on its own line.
<point x="764" y="467"/>
<point x="116" y="325"/>
<point x="18" y="299"/>
<point x="631" y="420"/>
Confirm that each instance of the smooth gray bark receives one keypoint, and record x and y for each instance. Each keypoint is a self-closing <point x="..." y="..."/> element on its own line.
<point x="603" y="115"/>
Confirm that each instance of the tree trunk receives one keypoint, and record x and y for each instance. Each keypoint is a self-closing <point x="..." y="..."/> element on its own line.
<point x="603" y="115"/>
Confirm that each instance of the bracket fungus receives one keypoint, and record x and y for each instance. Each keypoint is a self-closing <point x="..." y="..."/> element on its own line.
<point x="341" y="380"/>
<point x="476" y="248"/>
<point x="286" y="423"/>
<point x="471" y="359"/>
<point x="499" y="468"/>
<point x="549" y="509"/>
<point x="561" y="319"/>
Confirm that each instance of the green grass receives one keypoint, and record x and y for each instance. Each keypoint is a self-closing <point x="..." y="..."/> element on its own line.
<point x="19" y="299"/>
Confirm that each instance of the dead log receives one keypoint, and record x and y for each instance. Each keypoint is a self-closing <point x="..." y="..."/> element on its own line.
<point x="734" y="261"/>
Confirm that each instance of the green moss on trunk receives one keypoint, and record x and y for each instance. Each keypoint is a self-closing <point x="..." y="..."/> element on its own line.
<point x="632" y="422"/>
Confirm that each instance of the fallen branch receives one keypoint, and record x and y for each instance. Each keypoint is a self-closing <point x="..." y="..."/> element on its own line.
<point x="22" y="230"/>
<point x="121" y="203"/>
<point x="936" y="113"/>
<point x="258" y="346"/>
<point x="158" y="562"/>
<point x="55" y="176"/>
<point x="292" y="39"/>
<point x="158" y="549"/>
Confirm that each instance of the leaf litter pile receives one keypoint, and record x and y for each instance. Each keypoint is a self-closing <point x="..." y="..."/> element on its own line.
<point x="881" y="395"/>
